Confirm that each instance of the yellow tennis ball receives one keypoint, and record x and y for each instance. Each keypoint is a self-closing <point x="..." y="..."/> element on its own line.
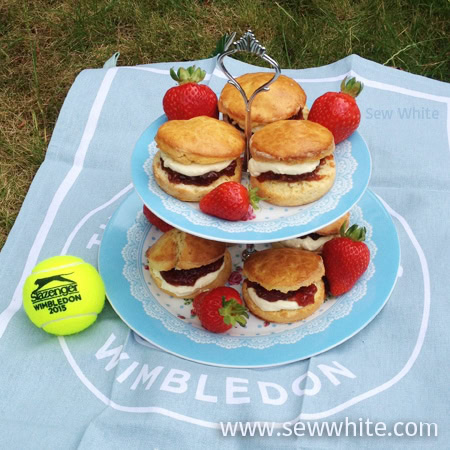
<point x="63" y="295"/>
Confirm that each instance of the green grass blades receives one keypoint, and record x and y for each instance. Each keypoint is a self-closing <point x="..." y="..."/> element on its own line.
<point x="45" y="44"/>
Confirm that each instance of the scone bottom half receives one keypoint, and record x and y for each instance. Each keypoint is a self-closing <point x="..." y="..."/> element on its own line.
<point x="191" y="189"/>
<point x="282" y="191"/>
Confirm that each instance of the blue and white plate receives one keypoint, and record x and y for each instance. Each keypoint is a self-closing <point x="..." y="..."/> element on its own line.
<point x="166" y="321"/>
<point x="272" y="223"/>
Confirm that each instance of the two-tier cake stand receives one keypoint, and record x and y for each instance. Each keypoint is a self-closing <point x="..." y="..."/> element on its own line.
<point x="166" y="322"/>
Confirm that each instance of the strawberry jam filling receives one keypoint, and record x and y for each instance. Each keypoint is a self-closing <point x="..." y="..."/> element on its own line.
<point x="303" y="296"/>
<point x="309" y="176"/>
<point x="188" y="277"/>
<point x="298" y="116"/>
<point x="313" y="236"/>
<point x="199" y="180"/>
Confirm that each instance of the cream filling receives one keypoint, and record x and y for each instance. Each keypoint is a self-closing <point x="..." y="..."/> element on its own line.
<point x="279" y="305"/>
<point x="193" y="170"/>
<point x="256" y="168"/>
<point x="188" y="290"/>
<point x="307" y="243"/>
<point x="305" y="112"/>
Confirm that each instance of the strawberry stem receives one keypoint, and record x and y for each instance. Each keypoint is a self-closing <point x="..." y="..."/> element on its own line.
<point x="189" y="75"/>
<point x="351" y="87"/>
<point x="354" y="233"/>
<point x="253" y="197"/>
<point x="233" y="312"/>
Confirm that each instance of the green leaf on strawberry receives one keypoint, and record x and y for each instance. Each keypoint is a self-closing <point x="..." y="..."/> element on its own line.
<point x="355" y="233"/>
<point x="190" y="75"/>
<point x="233" y="312"/>
<point x="351" y="87"/>
<point x="254" y="198"/>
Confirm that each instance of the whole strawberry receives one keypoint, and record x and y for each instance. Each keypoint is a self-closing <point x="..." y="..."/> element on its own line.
<point x="338" y="111"/>
<point x="230" y="201"/>
<point x="189" y="99"/>
<point x="156" y="221"/>
<point x="220" y="309"/>
<point x="345" y="259"/>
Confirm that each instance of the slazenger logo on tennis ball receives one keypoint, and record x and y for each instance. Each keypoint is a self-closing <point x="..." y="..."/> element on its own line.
<point x="54" y="298"/>
<point x="63" y="295"/>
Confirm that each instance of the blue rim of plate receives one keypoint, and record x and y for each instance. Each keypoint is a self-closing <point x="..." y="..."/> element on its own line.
<point x="245" y="232"/>
<point x="377" y="291"/>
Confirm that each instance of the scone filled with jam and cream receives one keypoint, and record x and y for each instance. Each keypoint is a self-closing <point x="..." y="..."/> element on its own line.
<point x="292" y="162"/>
<point x="313" y="242"/>
<point x="196" y="155"/>
<point x="283" y="285"/>
<point x="285" y="100"/>
<point x="184" y="265"/>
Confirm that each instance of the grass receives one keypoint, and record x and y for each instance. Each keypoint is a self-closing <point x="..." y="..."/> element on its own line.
<point x="44" y="44"/>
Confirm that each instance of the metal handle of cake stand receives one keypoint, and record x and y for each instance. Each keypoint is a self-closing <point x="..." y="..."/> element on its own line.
<point x="247" y="43"/>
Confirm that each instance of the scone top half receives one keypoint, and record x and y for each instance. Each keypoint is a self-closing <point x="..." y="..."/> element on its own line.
<point x="201" y="140"/>
<point x="285" y="99"/>
<point x="315" y="241"/>
<point x="184" y="265"/>
<point x="284" y="269"/>
<point x="292" y="142"/>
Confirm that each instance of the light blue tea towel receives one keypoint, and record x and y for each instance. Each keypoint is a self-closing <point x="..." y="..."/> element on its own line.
<point x="107" y="388"/>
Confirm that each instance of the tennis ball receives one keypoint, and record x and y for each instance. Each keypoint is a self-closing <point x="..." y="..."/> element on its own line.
<point x="63" y="295"/>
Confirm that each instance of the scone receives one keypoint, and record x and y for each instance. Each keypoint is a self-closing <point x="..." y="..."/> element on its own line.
<point x="284" y="100"/>
<point x="195" y="156"/>
<point x="283" y="285"/>
<point x="314" y="242"/>
<point x="292" y="162"/>
<point x="184" y="265"/>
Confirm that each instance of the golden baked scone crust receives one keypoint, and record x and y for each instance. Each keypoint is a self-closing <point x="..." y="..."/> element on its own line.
<point x="283" y="100"/>
<point x="201" y="140"/>
<point x="283" y="193"/>
<point x="221" y="279"/>
<point x="190" y="192"/>
<point x="292" y="141"/>
<point x="286" y="315"/>
<point x="284" y="269"/>
<point x="180" y="250"/>
<point x="334" y="227"/>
